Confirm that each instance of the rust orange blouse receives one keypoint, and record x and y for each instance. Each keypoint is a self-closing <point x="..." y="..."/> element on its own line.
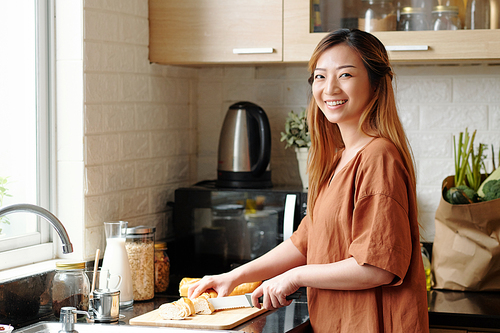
<point x="369" y="212"/>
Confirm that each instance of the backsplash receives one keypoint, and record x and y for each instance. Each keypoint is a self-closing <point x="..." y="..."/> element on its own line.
<point x="435" y="103"/>
<point x="148" y="129"/>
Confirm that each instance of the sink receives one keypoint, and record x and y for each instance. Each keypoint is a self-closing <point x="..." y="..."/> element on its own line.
<point x="55" y="327"/>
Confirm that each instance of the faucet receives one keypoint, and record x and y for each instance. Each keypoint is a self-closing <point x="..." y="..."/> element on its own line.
<point x="51" y="218"/>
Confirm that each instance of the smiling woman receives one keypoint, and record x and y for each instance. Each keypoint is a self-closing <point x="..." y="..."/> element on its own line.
<point x="24" y="124"/>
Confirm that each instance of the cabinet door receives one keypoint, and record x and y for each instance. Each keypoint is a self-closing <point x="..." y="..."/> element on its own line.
<point x="215" y="31"/>
<point x="432" y="46"/>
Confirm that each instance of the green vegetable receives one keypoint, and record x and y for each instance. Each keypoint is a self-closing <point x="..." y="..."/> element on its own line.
<point x="493" y="176"/>
<point x="461" y="195"/>
<point x="468" y="164"/>
<point x="491" y="190"/>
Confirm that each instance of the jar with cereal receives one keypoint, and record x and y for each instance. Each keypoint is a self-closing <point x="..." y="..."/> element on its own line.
<point x="141" y="253"/>
<point x="162" y="267"/>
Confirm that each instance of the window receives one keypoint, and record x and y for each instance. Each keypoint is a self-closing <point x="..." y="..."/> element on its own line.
<point x="25" y="124"/>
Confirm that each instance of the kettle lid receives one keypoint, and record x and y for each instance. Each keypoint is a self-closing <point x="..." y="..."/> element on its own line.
<point x="244" y="105"/>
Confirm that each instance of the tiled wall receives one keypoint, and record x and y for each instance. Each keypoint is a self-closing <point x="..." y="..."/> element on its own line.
<point x="139" y="120"/>
<point x="435" y="103"/>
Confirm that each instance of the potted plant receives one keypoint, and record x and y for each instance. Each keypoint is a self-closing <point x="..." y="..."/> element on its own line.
<point x="296" y="135"/>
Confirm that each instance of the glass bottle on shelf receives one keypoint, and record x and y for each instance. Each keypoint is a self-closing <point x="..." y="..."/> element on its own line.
<point x="477" y="14"/>
<point x="377" y="15"/>
<point x="494" y="14"/>
<point x="413" y="19"/>
<point x="316" y="22"/>
<point x="460" y="4"/>
<point x="446" y="18"/>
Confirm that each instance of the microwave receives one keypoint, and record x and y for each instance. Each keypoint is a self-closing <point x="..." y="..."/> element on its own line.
<point x="216" y="229"/>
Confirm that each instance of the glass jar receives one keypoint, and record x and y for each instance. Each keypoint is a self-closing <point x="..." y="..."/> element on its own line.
<point x="446" y="18"/>
<point x="162" y="267"/>
<point x="70" y="287"/>
<point x="460" y="4"/>
<point x="377" y="15"/>
<point x="413" y="19"/>
<point x="140" y="247"/>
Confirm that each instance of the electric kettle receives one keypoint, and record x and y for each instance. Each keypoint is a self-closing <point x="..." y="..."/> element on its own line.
<point x="244" y="148"/>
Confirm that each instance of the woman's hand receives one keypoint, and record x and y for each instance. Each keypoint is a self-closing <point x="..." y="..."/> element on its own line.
<point x="223" y="284"/>
<point x="274" y="291"/>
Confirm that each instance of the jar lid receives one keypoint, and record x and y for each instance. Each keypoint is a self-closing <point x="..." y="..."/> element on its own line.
<point x="66" y="265"/>
<point x="161" y="245"/>
<point x="412" y="10"/>
<point x="140" y="230"/>
<point x="445" y="9"/>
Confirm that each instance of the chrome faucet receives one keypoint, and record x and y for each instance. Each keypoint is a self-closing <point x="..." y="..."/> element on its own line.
<point x="51" y="218"/>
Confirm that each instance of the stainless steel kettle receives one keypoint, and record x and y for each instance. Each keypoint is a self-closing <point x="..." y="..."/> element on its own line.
<point x="244" y="148"/>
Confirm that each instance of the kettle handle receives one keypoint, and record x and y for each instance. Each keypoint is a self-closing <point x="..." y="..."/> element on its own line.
<point x="265" y="141"/>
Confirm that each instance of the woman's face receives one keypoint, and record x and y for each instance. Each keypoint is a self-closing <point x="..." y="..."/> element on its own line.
<point x="341" y="86"/>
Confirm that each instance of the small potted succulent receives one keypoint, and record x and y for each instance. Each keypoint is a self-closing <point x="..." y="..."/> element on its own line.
<point x="296" y="135"/>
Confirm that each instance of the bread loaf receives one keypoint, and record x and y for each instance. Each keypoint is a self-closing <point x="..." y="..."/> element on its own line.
<point x="202" y="305"/>
<point x="241" y="289"/>
<point x="179" y="309"/>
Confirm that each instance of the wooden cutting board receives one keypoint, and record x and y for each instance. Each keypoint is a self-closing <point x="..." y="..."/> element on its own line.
<point x="219" y="320"/>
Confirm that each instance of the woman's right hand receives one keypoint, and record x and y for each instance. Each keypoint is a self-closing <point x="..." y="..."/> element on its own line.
<point x="223" y="284"/>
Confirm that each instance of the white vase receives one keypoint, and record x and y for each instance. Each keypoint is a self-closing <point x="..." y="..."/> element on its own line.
<point x="302" y="154"/>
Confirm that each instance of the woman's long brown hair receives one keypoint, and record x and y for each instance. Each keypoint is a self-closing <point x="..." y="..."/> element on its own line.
<point x="380" y="117"/>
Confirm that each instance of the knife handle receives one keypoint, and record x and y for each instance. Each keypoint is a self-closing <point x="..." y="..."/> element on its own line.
<point x="295" y="295"/>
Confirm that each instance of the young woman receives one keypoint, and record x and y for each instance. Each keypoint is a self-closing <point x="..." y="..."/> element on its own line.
<point x="358" y="250"/>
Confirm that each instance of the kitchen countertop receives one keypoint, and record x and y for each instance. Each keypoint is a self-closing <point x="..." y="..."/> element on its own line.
<point x="478" y="311"/>
<point x="277" y="321"/>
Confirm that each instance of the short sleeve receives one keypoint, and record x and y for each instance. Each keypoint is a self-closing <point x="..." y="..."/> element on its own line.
<point x="300" y="236"/>
<point x="381" y="235"/>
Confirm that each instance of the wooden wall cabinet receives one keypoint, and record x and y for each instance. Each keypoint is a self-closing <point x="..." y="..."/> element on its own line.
<point x="434" y="46"/>
<point x="215" y="31"/>
<point x="198" y="32"/>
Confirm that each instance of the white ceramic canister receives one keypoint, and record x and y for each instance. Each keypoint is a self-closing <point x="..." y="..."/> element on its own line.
<point x="115" y="261"/>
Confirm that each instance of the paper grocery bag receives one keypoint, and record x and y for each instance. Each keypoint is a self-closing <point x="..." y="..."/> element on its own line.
<point x="466" y="250"/>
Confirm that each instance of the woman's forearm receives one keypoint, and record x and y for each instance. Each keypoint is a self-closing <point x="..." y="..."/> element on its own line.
<point x="277" y="261"/>
<point x="343" y="275"/>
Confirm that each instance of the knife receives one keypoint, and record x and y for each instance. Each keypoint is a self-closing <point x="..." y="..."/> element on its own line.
<point x="241" y="301"/>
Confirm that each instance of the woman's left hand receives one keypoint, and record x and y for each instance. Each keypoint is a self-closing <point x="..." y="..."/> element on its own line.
<point x="274" y="292"/>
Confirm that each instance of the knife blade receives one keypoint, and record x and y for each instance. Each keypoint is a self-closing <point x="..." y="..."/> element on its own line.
<point x="241" y="301"/>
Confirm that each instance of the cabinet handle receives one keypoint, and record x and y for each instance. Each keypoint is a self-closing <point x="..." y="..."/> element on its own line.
<point x="407" y="48"/>
<point x="253" y="50"/>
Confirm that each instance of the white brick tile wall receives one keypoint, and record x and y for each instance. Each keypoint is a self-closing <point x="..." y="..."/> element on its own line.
<point x="139" y="122"/>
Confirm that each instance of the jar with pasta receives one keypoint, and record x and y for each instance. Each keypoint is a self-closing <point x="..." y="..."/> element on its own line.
<point x="140" y="247"/>
<point x="162" y="267"/>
